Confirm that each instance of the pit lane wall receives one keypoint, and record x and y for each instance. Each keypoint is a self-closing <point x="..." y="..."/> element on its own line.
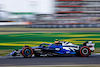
<point x="65" y="26"/>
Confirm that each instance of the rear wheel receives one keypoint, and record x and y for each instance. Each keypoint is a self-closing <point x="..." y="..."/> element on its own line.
<point x="84" y="51"/>
<point x="27" y="52"/>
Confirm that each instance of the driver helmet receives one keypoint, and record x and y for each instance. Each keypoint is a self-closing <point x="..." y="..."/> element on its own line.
<point x="56" y="41"/>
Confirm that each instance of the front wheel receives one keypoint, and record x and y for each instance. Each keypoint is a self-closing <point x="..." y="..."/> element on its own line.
<point x="85" y="51"/>
<point x="27" y="52"/>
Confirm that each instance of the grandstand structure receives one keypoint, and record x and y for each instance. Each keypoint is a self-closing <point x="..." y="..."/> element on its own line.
<point x="77" y="11"/>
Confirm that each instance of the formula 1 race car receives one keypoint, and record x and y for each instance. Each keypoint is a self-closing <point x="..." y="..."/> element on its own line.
<point x="60" y="49"/>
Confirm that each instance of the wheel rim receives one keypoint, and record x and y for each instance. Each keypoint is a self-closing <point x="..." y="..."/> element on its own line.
<point x="85" y="51"/>
<point x="27" y="52"/>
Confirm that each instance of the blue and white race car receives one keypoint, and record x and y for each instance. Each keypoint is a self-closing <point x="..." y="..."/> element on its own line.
<point x="60" y="49"/>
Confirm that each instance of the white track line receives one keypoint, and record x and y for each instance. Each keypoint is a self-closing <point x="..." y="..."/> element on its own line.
<point x="1" y="57"/>
<point x="95" y="54"/>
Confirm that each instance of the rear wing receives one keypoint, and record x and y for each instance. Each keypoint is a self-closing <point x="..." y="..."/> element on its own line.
<point x="91" y="45"/>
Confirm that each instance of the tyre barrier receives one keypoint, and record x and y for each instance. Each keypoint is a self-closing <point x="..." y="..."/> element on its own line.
<point x="65" y="26"/>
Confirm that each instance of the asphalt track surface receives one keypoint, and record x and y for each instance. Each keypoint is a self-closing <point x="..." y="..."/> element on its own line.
<point x="69" y="60"/>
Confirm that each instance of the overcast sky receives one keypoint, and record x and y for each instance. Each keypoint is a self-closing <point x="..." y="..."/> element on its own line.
<point x="39" y="6"/>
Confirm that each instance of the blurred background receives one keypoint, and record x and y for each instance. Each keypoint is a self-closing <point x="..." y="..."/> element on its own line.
<point x="50" y="12"/>
<point x="32" y="22"/>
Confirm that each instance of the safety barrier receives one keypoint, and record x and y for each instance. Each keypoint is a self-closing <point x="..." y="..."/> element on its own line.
<point x="66" y="26"/>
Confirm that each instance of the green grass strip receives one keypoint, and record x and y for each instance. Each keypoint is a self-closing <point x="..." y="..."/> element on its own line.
<point x="10" y="41"/>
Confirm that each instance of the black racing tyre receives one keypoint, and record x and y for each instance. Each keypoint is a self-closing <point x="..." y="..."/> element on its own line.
<point x="25" y="46"/>
<point x="27" y="52"/>
<point x="84" y="51"/>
